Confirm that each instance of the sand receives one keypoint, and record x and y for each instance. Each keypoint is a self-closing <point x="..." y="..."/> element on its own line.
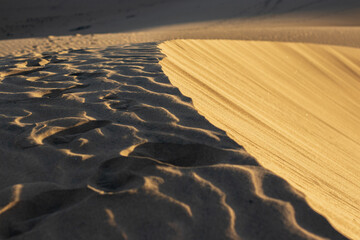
<point x="49" y="25"/>
<point x="108" y="132"/>
<point x="99" y="144"/>
<point x="297" y="114"/>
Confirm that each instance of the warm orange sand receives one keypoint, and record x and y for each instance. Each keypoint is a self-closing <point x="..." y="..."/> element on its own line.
<point x="295" y="107"/>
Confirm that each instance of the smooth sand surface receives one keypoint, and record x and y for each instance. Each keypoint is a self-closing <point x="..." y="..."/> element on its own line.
<point x="25" y="19"/>
<point x="294" y="107"/>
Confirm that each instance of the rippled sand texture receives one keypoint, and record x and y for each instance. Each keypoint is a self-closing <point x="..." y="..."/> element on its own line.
<point x="295" y="107"/>
<point x="97" y="144"/>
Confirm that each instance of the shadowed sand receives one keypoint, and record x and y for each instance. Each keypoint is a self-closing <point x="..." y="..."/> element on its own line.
<point x="97" y="144"/>
<point x="293" y="106"/>
<point x="25" y="19"/>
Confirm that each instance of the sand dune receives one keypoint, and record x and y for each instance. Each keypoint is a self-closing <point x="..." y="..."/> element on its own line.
<point x="97" y="144"/>
<point x="294" y="107"/>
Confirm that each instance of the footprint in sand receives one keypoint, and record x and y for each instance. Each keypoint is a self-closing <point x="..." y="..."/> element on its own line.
<point x="69" y="134"/>
<point x="59" y="92"/>
<point x="36" y="203"/>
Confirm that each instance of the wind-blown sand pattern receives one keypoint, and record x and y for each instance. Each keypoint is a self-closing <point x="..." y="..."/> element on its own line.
<point x="295" y="107"/>
<point x="97" y="144"/>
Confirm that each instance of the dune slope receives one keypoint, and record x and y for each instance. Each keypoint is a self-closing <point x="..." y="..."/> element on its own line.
<point x="295" y="107"/>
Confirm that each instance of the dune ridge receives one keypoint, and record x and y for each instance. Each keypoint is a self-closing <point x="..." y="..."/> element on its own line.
<point x="29" y="28"/>
<point x="97" y="144"/>
<point x="293" y="106"/>
<point x="334" y="35"/>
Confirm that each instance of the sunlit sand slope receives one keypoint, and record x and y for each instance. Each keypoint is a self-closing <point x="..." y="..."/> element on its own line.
<point x="97" y="144"/>
<point x="295" y="107"/>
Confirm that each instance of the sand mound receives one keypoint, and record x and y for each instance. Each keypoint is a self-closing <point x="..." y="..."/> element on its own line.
<point x="97" y="144"/>
<point x="293" y="106"/>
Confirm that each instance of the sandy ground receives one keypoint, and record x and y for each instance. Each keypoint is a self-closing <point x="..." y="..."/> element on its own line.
<point x="98" y="143"/>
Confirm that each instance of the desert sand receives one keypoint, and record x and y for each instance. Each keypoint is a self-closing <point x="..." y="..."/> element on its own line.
<point x="111" y="128"/>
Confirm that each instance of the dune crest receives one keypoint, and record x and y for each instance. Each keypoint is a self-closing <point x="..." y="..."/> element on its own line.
<point x="293" y="106"/>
